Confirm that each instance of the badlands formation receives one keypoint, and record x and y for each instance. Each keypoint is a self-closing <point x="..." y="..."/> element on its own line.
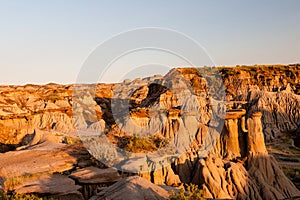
<point x="233" y="131"/>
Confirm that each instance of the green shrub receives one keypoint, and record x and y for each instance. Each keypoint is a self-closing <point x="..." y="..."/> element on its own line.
<point x="73" y="140"/>
<point x="140" y="144"/>
<point x="192" y="193"/>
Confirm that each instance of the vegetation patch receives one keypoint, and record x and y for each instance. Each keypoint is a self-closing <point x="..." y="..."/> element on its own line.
<point x="192" y="192"/>
<point x="136" y="144"/>
<point x="72" y="140"/>
<point x="4" y="196"/>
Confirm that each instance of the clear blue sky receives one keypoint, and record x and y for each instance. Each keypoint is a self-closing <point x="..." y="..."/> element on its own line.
<point x="48" y="41"/>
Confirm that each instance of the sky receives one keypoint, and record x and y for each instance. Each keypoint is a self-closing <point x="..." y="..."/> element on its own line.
<point x="44" y="41"/>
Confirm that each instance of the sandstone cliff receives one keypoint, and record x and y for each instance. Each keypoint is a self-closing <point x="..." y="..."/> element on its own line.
<point x="256" y="175"/>
<point x="203" y="131"/>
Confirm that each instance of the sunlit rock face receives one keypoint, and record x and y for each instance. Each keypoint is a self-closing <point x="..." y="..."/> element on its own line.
<point x="207" y="140"/>
<point x="255" y="176"/>
<point x="232" y="136"/>
<point x="255" y="139"/>
<point x="173" y="108"/>
<point x="237" y="155"/>
<point x="268" y="78"/>
<point x="281" y="111"/>
<point x="273" y="90"/>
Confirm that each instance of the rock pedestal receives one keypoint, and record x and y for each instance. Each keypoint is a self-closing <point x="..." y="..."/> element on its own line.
<point x="255" y="139"/>
<point x="255" y="176"/>
<point x="230" y="144"/>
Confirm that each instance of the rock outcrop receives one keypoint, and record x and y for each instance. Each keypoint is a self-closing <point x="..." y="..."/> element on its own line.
<point x="255" y="176"/>
<point x="268" y="78"/>
<point x="199" y="133"/>
<point x="93" y="179"/>
<point x="56" y="186"/>
<point x="255" y="139"/>
<point x="41" y="166"/>
<point x="273" y="90"/>
<point x="133" y="187"/>
<point x="281" y="111"/>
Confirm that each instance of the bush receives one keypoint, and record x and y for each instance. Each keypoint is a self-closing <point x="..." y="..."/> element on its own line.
<point x="72" y="140"/>
<point x="11" y="182"/>
<point x="140" y="144"/>
<point x="4" y="196"/>
<point x="192" y="193"/>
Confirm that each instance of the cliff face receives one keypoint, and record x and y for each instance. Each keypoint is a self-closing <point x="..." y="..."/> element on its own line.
<point x="272" y="90"/>
<point x="186" y="108"/>
<point x="281" y="113"/>
<point x="269" y="78"/>
<point x="269" y="89"/>
<point x="256" y="175"/>
<point x="24" y="109"/>
<point x="197" y="136"/>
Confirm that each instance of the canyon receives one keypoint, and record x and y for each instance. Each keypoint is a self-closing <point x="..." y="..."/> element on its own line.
<point x="232" y="131"/>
